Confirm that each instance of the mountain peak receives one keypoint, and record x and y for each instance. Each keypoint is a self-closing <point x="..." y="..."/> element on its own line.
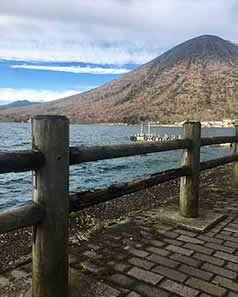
<point x="196" y="79"/>
<point x="201" y="47"/>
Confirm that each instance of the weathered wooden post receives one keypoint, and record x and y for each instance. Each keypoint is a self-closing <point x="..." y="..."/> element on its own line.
<point x="235" y="166"/>
<point x="189" y="185"/>
<point x="50" y="189"/>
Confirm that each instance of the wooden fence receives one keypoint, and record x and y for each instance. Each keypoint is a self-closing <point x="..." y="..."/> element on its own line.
<point x="49" y="160"/>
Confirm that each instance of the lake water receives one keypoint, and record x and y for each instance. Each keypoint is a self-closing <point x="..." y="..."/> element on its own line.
<point x="15" y="188"/>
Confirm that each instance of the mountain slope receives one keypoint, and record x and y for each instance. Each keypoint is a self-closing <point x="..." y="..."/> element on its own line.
<point x="197" y="79"/>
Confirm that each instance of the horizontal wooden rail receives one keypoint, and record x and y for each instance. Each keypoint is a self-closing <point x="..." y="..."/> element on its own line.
<point x="217" y="162"/>
<point x="19" y="161"/>
<point x="20" y="217"/>
<point x="89" y="198"/>
<point x="95" y="153"/>
<point x="218" y="140"/>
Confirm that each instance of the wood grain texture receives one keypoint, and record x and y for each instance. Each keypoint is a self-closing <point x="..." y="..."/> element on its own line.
<point x="218" y="140"/>
<point x="91" y="197"/>
<point x="20" y="217"/>
<point x="217" y="162"/>
<point x="50" y="189"/>
<point x="189" y="185"/>
<point x="95" y="153"/>
<point x="19" y="161"/>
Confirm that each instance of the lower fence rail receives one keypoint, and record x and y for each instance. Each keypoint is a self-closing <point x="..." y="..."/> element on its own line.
<point x="21" y="217"/>
<point x="89" y="198"/>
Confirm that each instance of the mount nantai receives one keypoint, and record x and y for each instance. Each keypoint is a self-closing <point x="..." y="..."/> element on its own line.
<point x="197" y="79"/>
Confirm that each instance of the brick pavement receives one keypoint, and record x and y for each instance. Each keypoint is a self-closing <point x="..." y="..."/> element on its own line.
<point x="143" y="257"/>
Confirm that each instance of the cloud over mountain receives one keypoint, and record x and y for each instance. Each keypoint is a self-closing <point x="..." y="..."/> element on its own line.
<point x="108" y="31"/>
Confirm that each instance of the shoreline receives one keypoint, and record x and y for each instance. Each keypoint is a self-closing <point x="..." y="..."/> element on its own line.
<point x="204" y="124"/>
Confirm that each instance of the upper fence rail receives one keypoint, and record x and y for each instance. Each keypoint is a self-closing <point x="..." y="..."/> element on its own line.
<point x="19" y="161"/>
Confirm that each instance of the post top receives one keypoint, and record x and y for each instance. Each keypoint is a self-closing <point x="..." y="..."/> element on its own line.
<point x="193" y="122"/>
<point x="49" y="117"/>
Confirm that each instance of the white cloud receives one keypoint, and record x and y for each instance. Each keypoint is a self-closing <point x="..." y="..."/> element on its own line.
<point x="108" y="31"/>
<point x="75" y="69"/>
<point x="8" y="94"/>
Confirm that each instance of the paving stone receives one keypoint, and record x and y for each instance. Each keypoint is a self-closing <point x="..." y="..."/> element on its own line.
<point x="94" y="246"/>
<point x="92" y="255"/>
<point x="190" y="239"/>
<point x="219" y="270"/>
<point x="225" y="233"/>
<point x="156" y="243"/>
<point x="196" y="272"/>
<point x="89" y="266"/>
<point x="156" y="250"/>
<point x="206" y="287"/>
<point x="122" y="280"/>
<point x="199" y="248"/>
<point x="227" y="283"/>
<point x="179" y="289"/>
<point x="231" y="244"/>
<point x="170" y="273"/>
<point x="139" y="245"/>
<point x="221" y="248"/>
<point x="205" y="295"/>
<point x="230" y="294"/>
<point x="186" y="260"/>
<point x="226" y="256"/>
<point x="145" y="234"/>
<point x="173" y="241"/>
<point x="121" y="267"/>
<point x="180" y="250"/>
<point x="165" y="233"/>
<point x="138" y="253"/>
<point x="4" y="281"/>
<point x="210" y="239"/>
<point x="141" y="263"/>
<point x="232" y="266"/>
<point x="110" y="292"/>
<point x="209" y="259"/>
<point x="185" y="232"/>
<point x="146" y="276"/>
<point x="164" y="227"/>
<point x="133" y="294"/>
<point x="18" y="274"/>
<point x="228" y="238"/>
<point x="150" y="291"/>
<point x="162" y="260"/>
<point x="231" y="229"/>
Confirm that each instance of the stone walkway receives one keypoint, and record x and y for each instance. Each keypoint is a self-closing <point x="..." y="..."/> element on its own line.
<point x="144" y="257"/>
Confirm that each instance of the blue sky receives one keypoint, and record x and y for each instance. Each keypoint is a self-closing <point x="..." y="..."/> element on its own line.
<point x="51" y="49"/>
<point x="47" y="81"/>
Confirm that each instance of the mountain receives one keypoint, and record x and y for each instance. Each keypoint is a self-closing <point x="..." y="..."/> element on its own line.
<point x="197" y="79"/>
<point x="18" y="103"/>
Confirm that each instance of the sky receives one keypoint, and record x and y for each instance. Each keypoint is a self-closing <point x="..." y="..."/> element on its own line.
<point x="54" y="49"/>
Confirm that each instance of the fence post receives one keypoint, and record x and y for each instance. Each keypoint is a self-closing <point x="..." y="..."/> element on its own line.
<point x="50" y="189"/>
<point x="189" y="185"/>
<point x="235" y="166"/>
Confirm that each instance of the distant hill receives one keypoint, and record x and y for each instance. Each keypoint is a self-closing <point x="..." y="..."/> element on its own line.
<point x="197" y="79"/>
<point x="19" y="103"/>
